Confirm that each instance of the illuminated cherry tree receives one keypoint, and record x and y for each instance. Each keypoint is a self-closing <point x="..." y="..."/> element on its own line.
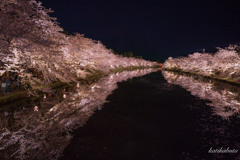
<point x="223" y="64"/>
<point x="30" y="38"/>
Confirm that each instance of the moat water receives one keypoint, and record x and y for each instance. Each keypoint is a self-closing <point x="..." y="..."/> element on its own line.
<point x="156" y="115"/>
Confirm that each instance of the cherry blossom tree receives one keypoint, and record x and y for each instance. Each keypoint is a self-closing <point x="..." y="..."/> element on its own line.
<point x="30" y="38"/>
<point x="223" y="64"/>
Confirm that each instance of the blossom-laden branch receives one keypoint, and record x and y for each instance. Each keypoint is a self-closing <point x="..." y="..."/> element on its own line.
<point x="30" y="38"/>
<point x="223" y="64"/>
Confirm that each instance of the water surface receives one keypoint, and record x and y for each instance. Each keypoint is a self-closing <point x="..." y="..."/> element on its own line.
<point x="41" y="130"/>
<point x="161" y="115"/>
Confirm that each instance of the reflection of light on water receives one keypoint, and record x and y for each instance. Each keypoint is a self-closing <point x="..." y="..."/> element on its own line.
<point x="35" y="109"/>
<point x="43" y="134"/>
<point x="224" y="101"/>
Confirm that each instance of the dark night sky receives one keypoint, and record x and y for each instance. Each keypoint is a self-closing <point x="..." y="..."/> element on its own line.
<point x="153" y="29"/>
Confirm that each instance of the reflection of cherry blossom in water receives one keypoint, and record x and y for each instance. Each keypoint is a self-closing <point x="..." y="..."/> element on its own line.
<point x="43" y="131"/>
<point x="224" y="98"/>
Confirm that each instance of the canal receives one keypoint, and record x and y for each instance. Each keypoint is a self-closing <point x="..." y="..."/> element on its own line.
<point x="158" y="115"/>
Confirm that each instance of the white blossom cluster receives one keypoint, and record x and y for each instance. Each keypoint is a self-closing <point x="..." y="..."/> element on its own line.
<point x="225" y="63"/>
<point x="30" y="38"/>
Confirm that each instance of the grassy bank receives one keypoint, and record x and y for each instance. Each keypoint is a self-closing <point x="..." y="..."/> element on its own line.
<point x="226" y="80"/>
<point x="94" y="76"/>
